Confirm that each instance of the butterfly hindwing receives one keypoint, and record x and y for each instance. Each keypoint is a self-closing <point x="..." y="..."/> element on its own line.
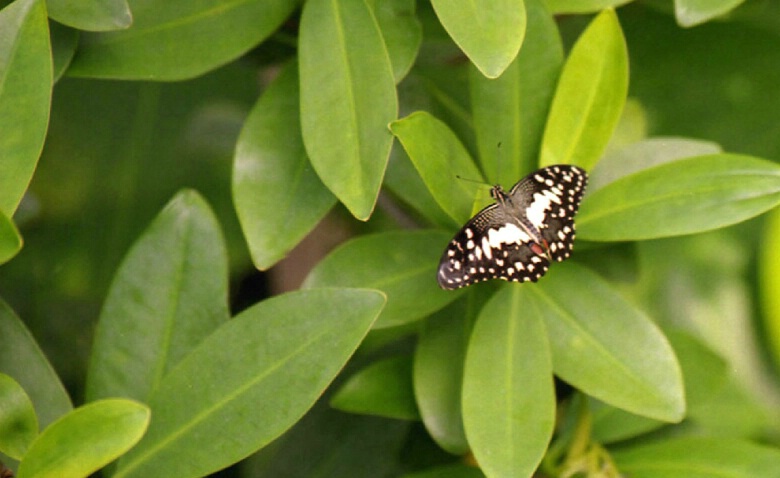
<point x="515" y="238"/>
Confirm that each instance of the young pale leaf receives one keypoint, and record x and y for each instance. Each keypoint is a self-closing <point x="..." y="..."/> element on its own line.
<point x="169" y="293"/>
<point x="96" y="15"/>
<point x="10" y="240"/>
<point x="86" y="439"/>
<point x="489" y="33"/>
<point x="434" y="148"/>
<point x="690" y="13"/>
<point x="22" y="359"/>
<point x="401" y="31"/>
<point x="606" y="347"/>
<point x="18" y="423"/>
<point x="698" y="457"/>
<point x="511" y="110"/>
<point x="347" y="99"/>
<point x="769" y="283"/>
<point x="590" y="96"/>
<point x="508" y="393"/>
<point x="278" y="196"/>
<point x="198" y="37"/>
<point x="582" y="6"/>
<point x="253" y="379"/>
<point x="402" y="264"/>
<point x="25" y="96"/>
<point x="383" y="389"/>
<point x="681" y="197"/>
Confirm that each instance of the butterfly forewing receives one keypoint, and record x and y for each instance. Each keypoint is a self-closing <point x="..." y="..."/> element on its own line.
<point x="515" y="238"/>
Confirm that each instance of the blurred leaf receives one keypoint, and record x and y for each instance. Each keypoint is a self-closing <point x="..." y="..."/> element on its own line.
<point x="605" y="347"/>
<point x="582" y="6"/>
<point x="169" y="293"/>
<point x="64" y="41"/>
<point x="402" y="264"/>
<point x="383" y="389"/>
<point x="448" y="471"/>
<point x="256" y="376"/>
<point x="590" y="96"/>
<point x="18" y="423"/>
<point x="769" y="283"/>
<point x="434" y="149"/>
<point x="401" y="31"/>
<point x="86" y="439"/>
<point x="279" y="199"/>
<point x="732" y="412"/>
<point x="347" y="99"/>
<point x="94" y="15"/>
<point x="197" y="37"/>
<point x="490" y="34"/>
<point x="508" y="393"/>
<point x="10" y="240"/>
<point x="611" y="424"/>
<point x="22" y="360"/>
<point x="698" y="457"/>
<point x="646" y="154"/>
<point x="510" y="111"/>
<point x="632" y="127"/>
<point x="681" y="197"/>
<point x="25" y="96"/>
<point x="690" y="13"/>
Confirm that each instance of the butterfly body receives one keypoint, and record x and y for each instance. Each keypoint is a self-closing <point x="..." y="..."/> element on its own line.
<point x="518" y="236"/>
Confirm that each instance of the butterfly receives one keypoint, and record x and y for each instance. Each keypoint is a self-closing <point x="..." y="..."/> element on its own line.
<point x="517" y="237"/>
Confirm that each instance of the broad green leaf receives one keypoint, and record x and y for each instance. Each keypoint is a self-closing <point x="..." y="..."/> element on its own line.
<point x="10" y="240"/>
<point x="732" y="412"/>
<point x="401" y="31"/>
<point x="646" y="154"/>
<point x="86" y="439"/>
<point x="169" y="293"/>
<point x="64" y="41"/>
<point x="402" y="264"/>
<point x="582" y="6"/>
<point x="448" y="471"/>
<point x="489" y="33"/>
<point x="196" y="37"/>
<point x="510" y="111"/>
<point x="441" y="160"/>
<point x="681" y="197"/>
<point x="22" y="360"/>
<point x="508" y="393"/>
<point x="279" y="199"/>
<point x="18" y="423"/>
<point x="383" y="388"/>
<point x="25" y="96"/>
<point x="93" y="15"/>
<point x="690" y="13"/>
<point x="347" y="99"/>
<point x="590" y="96"/>
<point x="612" y="424"/>
<point x="254" y="378"/>
<point x="607" y="348"/>
<point x="698" y="457"/>
<point x="769" y="283"/>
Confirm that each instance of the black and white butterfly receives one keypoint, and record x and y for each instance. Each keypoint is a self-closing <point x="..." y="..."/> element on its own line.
<point x="517" y="237"/>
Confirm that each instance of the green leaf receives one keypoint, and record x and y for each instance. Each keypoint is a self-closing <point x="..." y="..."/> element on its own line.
<point x="10" y="240"/>
<point x="401" y="31"/>
<point x="255" y="377"/>
<point x="22" y="359"/>
<point x="86" y="439"/>
<point x="448" y="471"/>
<point x="690" y="13"/>
<point x="18" y="423"/>
<point x="510" y="111"/>
<point x="383" y="388"/>
<point x="169" y="293"/>
<point x="769" y="283"/>
<point x="582" y="6"/>
<point x="197" y="37"/>
<point x="682" y="197"/>
<point x="698" y="457"/>
<point x="279" y="199"/>
<point x="95" y="15"/>
<point x="64" y="41"/>
<point x="508" y="393"/>
<point x="490" y="34"/>
<point x="25" y="96"/>
<point x="347" y="99"/>
<point x="402" y="264"/>
<point x="606" y="347"/>
<point x="590" y="96"/>
<point x="433" y="149"/>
